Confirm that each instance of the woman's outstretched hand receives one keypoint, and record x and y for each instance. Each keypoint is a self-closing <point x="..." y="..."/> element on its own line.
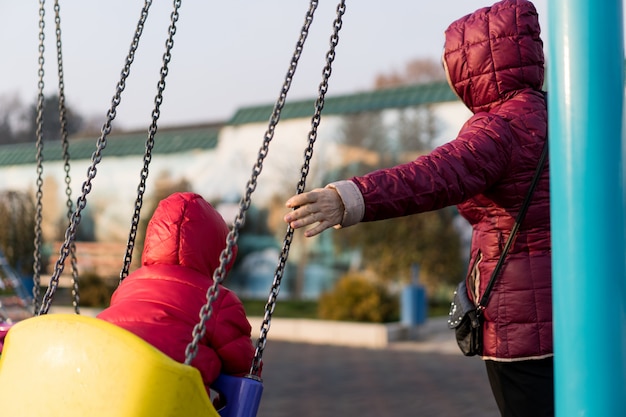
<point x="321" y="205"/>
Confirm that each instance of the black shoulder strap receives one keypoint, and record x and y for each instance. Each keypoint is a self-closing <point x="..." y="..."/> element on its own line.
<point x="520" y="217"/>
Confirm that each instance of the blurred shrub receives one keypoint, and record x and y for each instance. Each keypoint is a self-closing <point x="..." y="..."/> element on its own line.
<point x="94" y="291"/>
<point x="356" y="297"/>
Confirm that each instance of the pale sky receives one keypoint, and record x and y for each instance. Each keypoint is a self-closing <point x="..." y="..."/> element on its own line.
<point x="226" y="55"/>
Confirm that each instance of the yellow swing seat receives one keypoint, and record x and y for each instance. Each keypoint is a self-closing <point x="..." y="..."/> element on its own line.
<point x="65" y="365"/>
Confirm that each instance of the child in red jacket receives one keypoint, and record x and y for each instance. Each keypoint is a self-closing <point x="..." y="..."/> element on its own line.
<point x="161" y="301"/>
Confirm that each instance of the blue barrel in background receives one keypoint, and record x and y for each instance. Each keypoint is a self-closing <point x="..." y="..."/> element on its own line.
<point x="413" y="303"/>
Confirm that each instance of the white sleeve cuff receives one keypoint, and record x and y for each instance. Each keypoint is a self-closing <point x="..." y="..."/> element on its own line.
<point x="353" y="203"/>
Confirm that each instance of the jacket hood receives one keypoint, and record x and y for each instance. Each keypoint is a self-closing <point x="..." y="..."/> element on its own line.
<point x="186" y="230"/>
<point x="493" y="53"/>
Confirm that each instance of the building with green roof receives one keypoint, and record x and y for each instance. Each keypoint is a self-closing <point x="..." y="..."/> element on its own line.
<point x="216" y="161"/>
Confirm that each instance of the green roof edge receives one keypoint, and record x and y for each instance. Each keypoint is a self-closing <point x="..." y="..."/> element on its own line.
<point x="399" y="97"/>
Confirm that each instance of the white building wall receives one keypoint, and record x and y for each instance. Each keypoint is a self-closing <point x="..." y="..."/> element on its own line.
<point x="452" y="116"/>
<point x="238" y="149"/>
<point x="217" y="174"/>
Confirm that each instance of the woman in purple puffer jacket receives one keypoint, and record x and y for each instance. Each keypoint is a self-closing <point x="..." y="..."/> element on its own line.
<point x="494" y="62"/>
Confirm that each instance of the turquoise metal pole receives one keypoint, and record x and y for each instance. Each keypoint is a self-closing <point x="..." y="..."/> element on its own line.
<point x="585" y="104"/>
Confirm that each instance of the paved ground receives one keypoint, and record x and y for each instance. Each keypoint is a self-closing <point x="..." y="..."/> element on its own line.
<point x="423" y="377"/>
<point x="427" y="377"/>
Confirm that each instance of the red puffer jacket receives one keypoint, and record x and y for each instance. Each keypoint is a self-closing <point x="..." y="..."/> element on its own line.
<point x="161" y="301"/>
<point x="494" y="60"/>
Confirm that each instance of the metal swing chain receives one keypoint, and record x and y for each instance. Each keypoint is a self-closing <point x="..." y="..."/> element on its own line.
<point x="218" y="276"/>
<point x="96" y="157"/>
<point x="66" y="154"/>
<point x="226" y="255"/>
<point x="308" y="154"/>
<point x="39" y="157"/>
<point x="167" y="56"/>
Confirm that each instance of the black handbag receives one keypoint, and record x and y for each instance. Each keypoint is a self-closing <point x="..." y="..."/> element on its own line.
<point x="465" y="317"/>
<point x="466" y="322"/>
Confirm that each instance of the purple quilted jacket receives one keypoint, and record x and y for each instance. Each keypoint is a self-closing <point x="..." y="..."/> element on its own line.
<point x="494" y="60"/>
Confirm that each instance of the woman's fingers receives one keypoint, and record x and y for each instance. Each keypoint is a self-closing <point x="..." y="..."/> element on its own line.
<point x="317" y="229"/>
<point x="322" y="206"/>
<point x="303" y="215"/>
<point x="303" y="199"/>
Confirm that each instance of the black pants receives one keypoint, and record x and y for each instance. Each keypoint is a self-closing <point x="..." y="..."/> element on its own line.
<point x="524" y="388"/>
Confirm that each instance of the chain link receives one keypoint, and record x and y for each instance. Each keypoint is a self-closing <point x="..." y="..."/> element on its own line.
<point x="226" y="255"/>
<point x="39" y="158"/>
<point x="141" y="188"/>
<point x="308" y="154"/>
<point x="219" y="274"/>
<point x="66" y="153"/>
<point x="96" y="157"/>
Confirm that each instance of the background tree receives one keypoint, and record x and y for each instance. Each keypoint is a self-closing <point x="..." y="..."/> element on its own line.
<point x="365" y="130"/>
<point x="17" y="223"/>
<point x="6" y="134"/>
<point x="18" y="123"/>
<point x="52" y="120"/>
<point x="415" y="129"/>
<point x="86" y="231"/>
<point x="416" y="71"/>
<point x="12" y="113"/>
<point x="392" y="247"/>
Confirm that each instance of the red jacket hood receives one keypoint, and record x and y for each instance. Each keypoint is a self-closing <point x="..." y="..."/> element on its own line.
<point x="185" y="230"/>
<point x="493" y="53"/>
